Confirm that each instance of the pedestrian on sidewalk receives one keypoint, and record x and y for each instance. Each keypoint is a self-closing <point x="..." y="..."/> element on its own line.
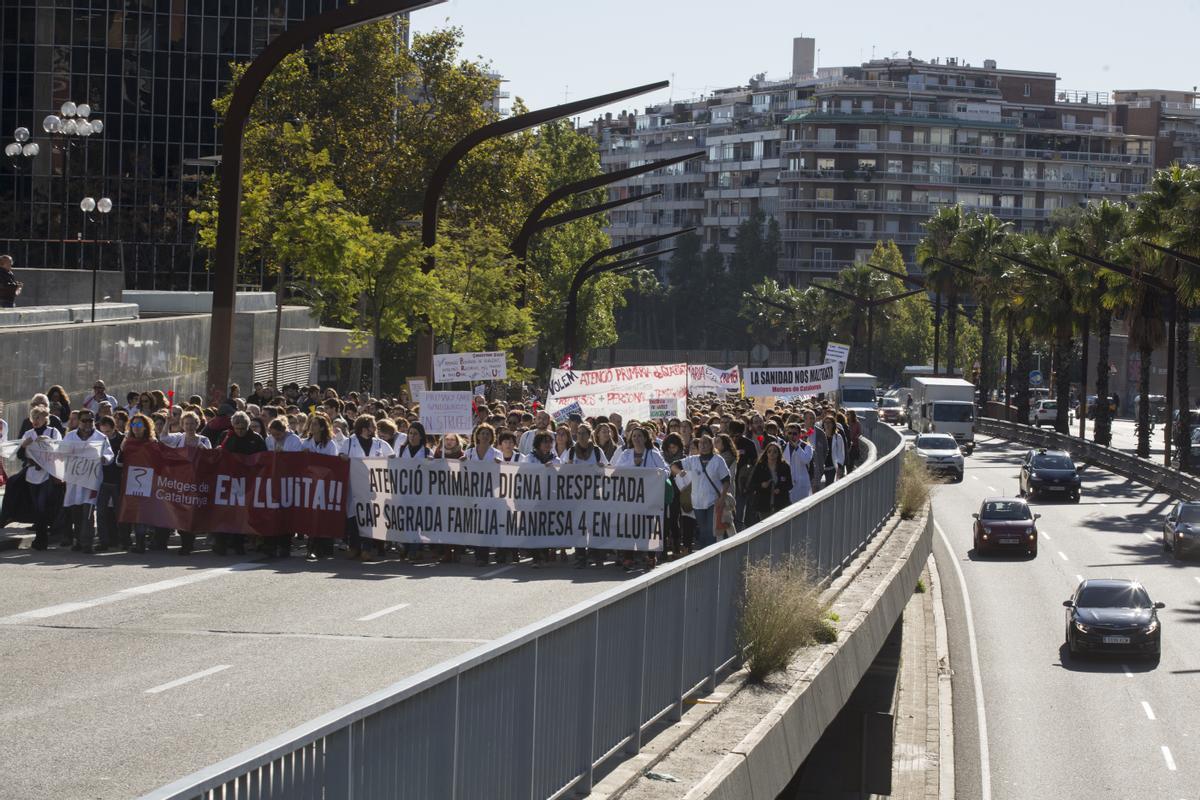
<point x="10" y="287"/>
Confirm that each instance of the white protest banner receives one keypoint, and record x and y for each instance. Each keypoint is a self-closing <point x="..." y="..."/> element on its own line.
<point x="618" y="390"/>
<point x="703" y="379"/>
<point x="76" y="463"/>
<point x="564" y="413"/>
<point x="527" y="506"/>
<point x="839" y="353"/>
<point x="664" y="407"/>
<point x="792" y="381"/>
<point x="447" y="412"/>
<point x="449" y="367"/>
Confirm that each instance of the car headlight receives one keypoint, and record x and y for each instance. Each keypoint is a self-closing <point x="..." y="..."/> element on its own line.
<point x="1079" y="626"/>
<point x="1152" y="627"/>
<point x="986" y="529"/>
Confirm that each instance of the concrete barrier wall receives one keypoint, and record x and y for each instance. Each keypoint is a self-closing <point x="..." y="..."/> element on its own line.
<point x="58" y="287"/>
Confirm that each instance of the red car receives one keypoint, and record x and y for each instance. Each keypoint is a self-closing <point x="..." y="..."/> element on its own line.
<point x="891" y="410"/>
<point x="1006" y="523"/>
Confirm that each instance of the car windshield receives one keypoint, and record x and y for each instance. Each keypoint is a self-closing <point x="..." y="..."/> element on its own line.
<point x="858" y="395"/>
<point x="1113" y="596"/>
<point x="1050" y="405"/>
<point x="1052" y="462"/>
<point x="1189" y="513"/>
<point x="953" y="412"/>
<point x="936" y="443"/>
<point x="890" y="402"/>
<point x="1005" y="509"/>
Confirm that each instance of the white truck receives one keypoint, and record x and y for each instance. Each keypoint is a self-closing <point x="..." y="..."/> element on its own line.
<point x="857" y="391"/>
<point x="944" y="405"/>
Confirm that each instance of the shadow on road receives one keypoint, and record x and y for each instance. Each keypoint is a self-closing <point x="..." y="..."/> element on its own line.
<point x="1103" y="663"/>
<point x="1000" y="555"/>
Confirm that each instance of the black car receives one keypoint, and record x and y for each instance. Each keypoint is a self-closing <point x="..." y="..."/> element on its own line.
<point x="1181" y="532"/>
<point x="1113" y="615"/>
<point x="1049" y="473"/>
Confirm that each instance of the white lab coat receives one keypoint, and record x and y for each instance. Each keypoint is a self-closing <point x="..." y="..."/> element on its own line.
<point x="530" y="458"/>
<point x="651" y="459"/>
<point x="798" y="457"/>
<point x="291" y="443"/>
<point x="178" y="440"/>
<point x="379" y="448"/>
<point x="329" y="448"/>
<point x="490" y="456"/>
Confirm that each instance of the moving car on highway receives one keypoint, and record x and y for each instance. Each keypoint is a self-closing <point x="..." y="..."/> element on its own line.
<point x="1006" y="523"/>
<point x="891" y="410"/>
<point x="941" y="454"/>
<point x="1181" y="531"/>
<point x="1045" y="412"/>
<point x="1049" y="473"/>
<point x="1113" y="615"/>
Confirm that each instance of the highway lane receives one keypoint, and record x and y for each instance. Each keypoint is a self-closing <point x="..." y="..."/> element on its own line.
<point x="123" y="672"/>
<point x="1056" y="726"/>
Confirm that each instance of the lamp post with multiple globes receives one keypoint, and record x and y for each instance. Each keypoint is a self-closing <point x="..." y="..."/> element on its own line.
<point x="74" y="124"/>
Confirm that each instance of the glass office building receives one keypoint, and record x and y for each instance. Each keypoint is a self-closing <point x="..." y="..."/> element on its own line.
<point x="149" y="69"/>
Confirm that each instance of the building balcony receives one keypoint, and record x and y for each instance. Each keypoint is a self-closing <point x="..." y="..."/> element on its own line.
<point x="815" y="145"/>
<point x="918" y="209"/>
<point x="732" y="165"/>
<point x="905" y="178"/>
<point x="849" y="236"/>
<point x="962" y="118"/>
<point x="904" y="88"/>
<point x="758" y="190"/>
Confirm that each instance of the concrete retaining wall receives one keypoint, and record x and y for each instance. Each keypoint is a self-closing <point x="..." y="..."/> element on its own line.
<point x="57" y="287"/>
<point x="762" y="764"/>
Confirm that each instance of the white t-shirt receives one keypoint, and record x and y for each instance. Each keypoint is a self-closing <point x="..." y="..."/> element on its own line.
<point x="490" y="456"/>
<point x="704" y="489"/>
<point x="329" y="448"/>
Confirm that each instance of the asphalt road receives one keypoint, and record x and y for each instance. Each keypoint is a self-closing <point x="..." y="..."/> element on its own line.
<point x="123" y="672"/>
<point x="1056" y="726"/>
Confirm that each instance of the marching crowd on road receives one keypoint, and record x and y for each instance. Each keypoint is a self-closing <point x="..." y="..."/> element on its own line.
<point x="725" y="464"/>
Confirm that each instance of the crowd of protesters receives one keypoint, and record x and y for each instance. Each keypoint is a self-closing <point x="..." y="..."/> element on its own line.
<point x="726" y="465"/>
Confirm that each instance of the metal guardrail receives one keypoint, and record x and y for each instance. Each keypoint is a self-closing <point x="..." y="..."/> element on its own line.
<point x="1165" y="479"/>
<point x="533" y="714"/>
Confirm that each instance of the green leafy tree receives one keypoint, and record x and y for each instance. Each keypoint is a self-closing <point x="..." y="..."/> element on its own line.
<point x="937" y="247"/>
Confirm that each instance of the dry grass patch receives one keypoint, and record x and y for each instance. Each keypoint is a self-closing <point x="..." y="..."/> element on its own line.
<point x="781" y="611"/>
<point x="912" y="488"/>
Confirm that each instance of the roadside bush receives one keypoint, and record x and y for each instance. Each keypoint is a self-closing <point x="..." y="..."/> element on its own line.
<point x="781" y="612"/>
<point x="912" y="489"/>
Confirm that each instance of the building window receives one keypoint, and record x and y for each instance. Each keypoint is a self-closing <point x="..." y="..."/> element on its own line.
<point x="867" y="163"/>
<point x="895" y="165"/>
<point x="1028" y="91"/>
<point x="826" y="135"/>
<point x="894" y="136"/>
<point x="864" y="195"/>
<point x="894" y="195"/>
<point x="921" y="136"/>
<point x="868" y="106"/>
<point x="865" y="227"/>
<point x="862" y="256"/>
<point x="1008" y="201"/>
<point x="826" y="164"/>
<point x="985" y="170"/>
<point x="867" y="137"/>
<point x="825" y="193"/>
<point x="920" y="167"/>
<point x="942" y="136"/>
<point x="1006" y="171"/>
<point x="823" y="257"/>
<point x="891" y="226"/>
<point x="847" y="106"/>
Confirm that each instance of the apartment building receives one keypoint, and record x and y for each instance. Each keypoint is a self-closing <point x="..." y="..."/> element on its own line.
<point x="879" y="148"/>
<point x="852" y="155"/>
<point x="1171" y="117"/>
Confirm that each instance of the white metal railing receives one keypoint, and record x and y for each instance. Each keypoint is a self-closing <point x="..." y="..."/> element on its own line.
<point x="533" y="714"/>
<point x="988" y="151"/>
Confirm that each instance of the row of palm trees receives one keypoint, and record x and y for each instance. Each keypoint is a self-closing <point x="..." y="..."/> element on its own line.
<point x="1060" y="286"/>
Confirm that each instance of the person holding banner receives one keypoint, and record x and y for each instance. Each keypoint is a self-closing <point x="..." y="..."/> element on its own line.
<point x="542" y="453"/>
<point x="320" y="441"/>
<point x="242" y="440"/>
<point x="79" y="502"/>
<point x="42" y="490"/>
<point x="189" y="436"/>
<point x="710" y="480"/>
<point x="363" y="444"/>
<point x="541" y="422"/>
<point x="140" y="430"/>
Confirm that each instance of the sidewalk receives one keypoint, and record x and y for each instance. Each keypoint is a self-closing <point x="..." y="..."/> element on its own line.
<point x="923" y="701"/>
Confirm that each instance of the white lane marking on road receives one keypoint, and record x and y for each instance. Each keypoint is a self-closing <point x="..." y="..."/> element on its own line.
<point x="1045" y="535"/>
<point x="1148" y="536"/>
<point x="496" y="572"/>
<point x="1197" y="577"/>
<point x="985" y="770"/>
<point x="974" y="477"/>
<point x="125" y="594"/>
<point x="1128" y="672"/>
<point x="991" y="488"/>
<point x="1063" y="556"/>
<point x="382" y="612"/>
<point x="1167" y="757"/>
<point x="1149" y="711"/>
<point x="195" y="676"/>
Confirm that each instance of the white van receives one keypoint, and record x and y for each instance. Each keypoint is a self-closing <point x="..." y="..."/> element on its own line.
<point x="857" y="391"/>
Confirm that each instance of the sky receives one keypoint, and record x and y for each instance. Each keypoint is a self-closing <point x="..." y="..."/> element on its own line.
<point x="556" y="50"/>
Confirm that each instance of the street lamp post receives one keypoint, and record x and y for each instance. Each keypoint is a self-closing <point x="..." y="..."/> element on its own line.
<point x="74" y="124"/>
<point x="87" y="205"/>
<point x="869" y="304"/>
<point x="588" y="269"/>
<point x="21" y="151"/>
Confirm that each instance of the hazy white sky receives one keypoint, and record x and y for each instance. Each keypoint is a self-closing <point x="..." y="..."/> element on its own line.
<point x="551" y="49"/>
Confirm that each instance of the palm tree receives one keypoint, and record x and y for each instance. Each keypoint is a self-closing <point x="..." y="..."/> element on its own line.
<point x="935" y="249"/>
<point x="1050" y="308"/>
<point x="1098" y="233"/>
<point x="979" y="242"/>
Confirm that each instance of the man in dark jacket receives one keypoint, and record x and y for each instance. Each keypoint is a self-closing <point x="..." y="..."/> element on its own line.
<point x="10" y="287"/>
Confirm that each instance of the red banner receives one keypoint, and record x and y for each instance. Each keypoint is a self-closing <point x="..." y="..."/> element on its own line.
<point x="209" y="491"/>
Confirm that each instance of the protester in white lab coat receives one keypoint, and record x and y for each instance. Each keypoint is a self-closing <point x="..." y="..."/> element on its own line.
<point x="363" y="443"/>
<point x="798" y="454"/>
<point x="79" y="501"/>
<point x="41" y="487"/>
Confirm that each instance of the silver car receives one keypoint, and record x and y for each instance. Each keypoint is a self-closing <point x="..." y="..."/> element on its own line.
<point x="1181" y="532"/>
